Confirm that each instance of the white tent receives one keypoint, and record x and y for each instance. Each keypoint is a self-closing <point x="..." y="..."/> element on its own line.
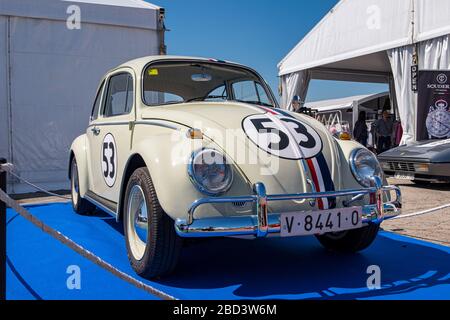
<point x="344" y="103"/>
<point x="372" y="41"/>
<point x="346" y="109"/>
<point x="49" y="74"/>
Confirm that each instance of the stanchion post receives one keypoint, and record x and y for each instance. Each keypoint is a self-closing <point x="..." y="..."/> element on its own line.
<point x="2" y="235"/>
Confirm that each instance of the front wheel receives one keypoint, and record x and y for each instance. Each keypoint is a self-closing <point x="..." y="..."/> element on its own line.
<point x="153" y="246"/>
<point x="351" y="240"/>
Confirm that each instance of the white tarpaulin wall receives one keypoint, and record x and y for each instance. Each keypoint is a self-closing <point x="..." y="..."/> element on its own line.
<point x="54" y="73"/>
<point x="372" y="41"/>
<point x="3" y="90"/>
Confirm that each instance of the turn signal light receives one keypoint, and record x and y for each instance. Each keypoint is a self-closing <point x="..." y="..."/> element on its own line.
<point x="345" y="136"/>
<point x="422" y="167"/>
<point x="195" y="134"/>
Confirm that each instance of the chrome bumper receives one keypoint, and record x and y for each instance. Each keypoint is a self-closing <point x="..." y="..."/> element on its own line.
<point x="261" y="224"/>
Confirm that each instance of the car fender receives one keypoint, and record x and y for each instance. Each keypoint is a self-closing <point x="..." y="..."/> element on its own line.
<point x="347" y="147"/>
<point x="80" y="152"/>
<point x="166" y="162"/>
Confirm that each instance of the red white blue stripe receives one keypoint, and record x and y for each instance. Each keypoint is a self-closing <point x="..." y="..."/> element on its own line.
<point x="318" y="167"/>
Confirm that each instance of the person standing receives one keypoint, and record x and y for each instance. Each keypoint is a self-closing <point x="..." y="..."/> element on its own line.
<point x="384" y="128"/>
<point x="360" y="131"/>
<point x="296" y="104"/>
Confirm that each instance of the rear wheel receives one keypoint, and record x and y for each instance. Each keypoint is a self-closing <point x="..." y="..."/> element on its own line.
<point x="79" y="205"/>
<point x="152" y="244"/>
<point x="351" y="240"/>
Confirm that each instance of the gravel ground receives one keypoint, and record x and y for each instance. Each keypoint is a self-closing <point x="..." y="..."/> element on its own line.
<point x="433" y="227"/>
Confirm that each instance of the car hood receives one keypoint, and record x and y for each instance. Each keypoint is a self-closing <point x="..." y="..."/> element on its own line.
<point x="437" y="151"/>
<point x="224" y="124"/>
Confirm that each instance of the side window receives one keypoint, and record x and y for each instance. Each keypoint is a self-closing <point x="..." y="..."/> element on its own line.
<point x="119" y="98"/>
<point x="245" y="91"/>
<point x="96" y="107"/>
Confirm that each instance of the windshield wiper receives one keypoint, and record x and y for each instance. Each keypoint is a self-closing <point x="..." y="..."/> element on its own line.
<point x="204" y="98"/>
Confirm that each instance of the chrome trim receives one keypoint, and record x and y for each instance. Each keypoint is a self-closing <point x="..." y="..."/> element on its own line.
<point x="247" y="225"/>
<point x="112" y="123"/>
<point x="261" y="224"/>
<point x="95" y="130"/>
<point x="200" y="187"/>
<point x="348" y="203"/>
<point x="261" y="210"/>
<point x="312" y="203"/>
<point x="158" y="123"/>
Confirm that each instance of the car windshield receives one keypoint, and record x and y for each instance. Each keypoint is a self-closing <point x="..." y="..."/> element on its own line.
<point x="193" y="81"/>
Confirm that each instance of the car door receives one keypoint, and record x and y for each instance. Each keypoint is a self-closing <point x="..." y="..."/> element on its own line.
<point x="110" y="136"/>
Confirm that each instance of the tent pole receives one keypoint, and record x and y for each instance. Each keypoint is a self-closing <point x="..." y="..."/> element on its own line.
<point x="161" y="31"/>
<point x="9" y="111"/>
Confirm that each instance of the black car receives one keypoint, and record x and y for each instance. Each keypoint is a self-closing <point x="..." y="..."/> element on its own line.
<point x="424" y="161"/>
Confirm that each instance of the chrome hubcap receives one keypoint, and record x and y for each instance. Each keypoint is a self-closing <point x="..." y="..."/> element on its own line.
<point x="137" y="224"/>
<point x="75" y="187"/>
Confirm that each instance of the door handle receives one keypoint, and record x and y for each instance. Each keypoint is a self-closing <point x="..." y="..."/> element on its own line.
<point x="96" y="131"/>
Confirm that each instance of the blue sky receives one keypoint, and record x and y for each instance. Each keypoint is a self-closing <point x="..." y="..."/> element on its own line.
<point x="257" y="33"/>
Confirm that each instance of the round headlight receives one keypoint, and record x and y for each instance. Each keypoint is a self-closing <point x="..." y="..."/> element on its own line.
<point x="364" y="165"/>
<point x="209" y="172"/>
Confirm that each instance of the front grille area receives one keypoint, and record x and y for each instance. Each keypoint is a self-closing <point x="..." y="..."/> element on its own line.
<point x="401" y="166"/>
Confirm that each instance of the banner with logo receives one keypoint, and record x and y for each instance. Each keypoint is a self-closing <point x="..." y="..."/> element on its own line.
<point x="433" y="112"/>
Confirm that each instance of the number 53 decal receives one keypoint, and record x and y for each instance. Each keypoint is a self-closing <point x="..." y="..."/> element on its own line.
<point x="284" y="137"/>
<point x="109" y="160"/>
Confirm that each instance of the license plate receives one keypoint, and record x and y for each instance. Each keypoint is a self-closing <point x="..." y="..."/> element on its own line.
<point x="404" y="176"/>
<point x="320" y="222"/>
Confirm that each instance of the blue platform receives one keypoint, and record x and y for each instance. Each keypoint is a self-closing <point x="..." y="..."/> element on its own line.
<point x="295" y="268"/>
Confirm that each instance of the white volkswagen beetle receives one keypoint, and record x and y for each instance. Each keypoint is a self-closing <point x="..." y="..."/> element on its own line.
<point x="183" y="147"/>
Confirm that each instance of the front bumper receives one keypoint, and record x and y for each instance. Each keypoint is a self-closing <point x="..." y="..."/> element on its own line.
<point x="262" y="224"/>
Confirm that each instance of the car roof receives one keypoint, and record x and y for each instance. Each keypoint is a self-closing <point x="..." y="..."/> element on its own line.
<point x="140" y="63"/>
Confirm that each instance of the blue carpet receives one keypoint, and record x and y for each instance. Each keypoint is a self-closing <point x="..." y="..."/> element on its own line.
<point x="295" y="268"/>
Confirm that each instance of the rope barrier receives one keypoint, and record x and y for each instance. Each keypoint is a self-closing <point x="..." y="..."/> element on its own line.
<point x="37" y="187"/>
<point x="80" y="250"/>
<point x="421" y="213"/>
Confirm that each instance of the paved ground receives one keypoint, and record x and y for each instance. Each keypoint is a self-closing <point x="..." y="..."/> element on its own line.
<point x="434" y="227"/>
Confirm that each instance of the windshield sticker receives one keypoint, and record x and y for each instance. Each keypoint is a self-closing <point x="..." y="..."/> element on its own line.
<point x="153" y="72"/>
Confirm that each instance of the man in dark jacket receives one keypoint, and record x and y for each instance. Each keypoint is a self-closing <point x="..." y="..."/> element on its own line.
<point x="384" y="128"/>
<point x="360" y="132"/>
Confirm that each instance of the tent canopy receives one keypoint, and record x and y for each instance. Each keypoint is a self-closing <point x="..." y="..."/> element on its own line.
<point x="344" y="103"/>
<point x="350" y="42"/>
